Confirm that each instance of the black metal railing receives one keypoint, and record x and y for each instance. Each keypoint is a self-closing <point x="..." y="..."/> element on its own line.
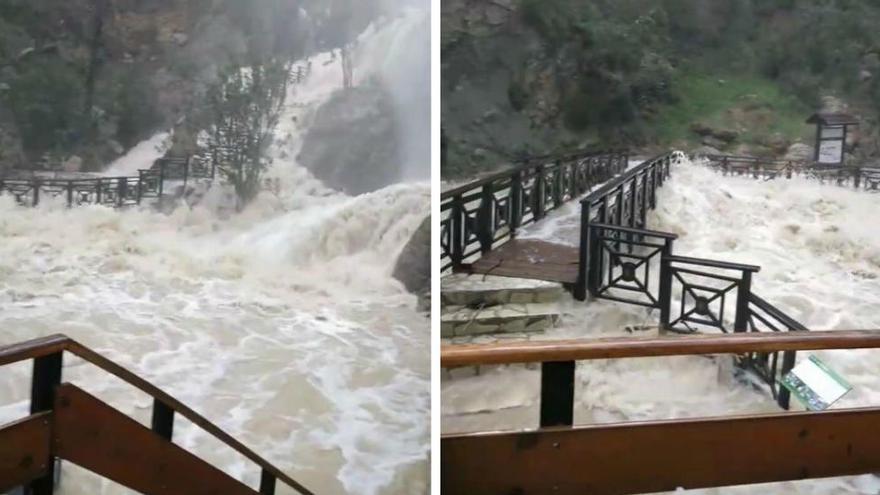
<point x="115" y="192"/>
<point x="622" y="202"/>
<point x="859" y="177"/>
<point x="481" y="215"/>
<point x="623" y="261"/>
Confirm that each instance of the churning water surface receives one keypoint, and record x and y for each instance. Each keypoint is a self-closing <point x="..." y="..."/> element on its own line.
<point x="281" y="324"/>
<point x="820" y="262"/>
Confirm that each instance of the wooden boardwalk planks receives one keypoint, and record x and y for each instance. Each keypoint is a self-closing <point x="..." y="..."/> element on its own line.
<point x="531" y="259"/>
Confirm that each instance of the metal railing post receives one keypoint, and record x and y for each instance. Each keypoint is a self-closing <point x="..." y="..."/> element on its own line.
<point x="457" y="224"/>
<point x="515" y="203"/>
<point x="539" y="194"/>
<point x="788" y="361"/>
<point x="121" y="191"/>
<point x="485" y="219"/>
<point x="580" y="290"/>
<point x="664" y="298"/>
<point x="557" y="189"/>
<point x="743" y="294"/>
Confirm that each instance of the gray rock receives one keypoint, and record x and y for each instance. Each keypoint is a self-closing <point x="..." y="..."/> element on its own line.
<point x="705" y="151"/>
<point x="72" y="164"/>
<point x="413" y="267"/>
<point x="180" y="38"/>
<point x="799" y="152"/>
<point x="353" y="143"/>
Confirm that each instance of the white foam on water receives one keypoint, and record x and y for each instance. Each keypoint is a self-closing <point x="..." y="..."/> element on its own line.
<point x="281" y="324"/>
<point x="820" y="262"/>
<point x="140" y="157"/>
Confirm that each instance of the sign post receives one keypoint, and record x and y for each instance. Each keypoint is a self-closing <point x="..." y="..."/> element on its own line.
<point x="832" y="130"/>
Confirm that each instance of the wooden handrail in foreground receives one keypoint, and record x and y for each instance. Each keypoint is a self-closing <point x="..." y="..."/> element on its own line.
<point x="47" y="346"/>
<point x="654" y="456"/>
<point x="453" y="356"/>
<point x="663" y="456"/>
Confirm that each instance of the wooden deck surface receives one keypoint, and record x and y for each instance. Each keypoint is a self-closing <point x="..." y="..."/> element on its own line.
<point x="531" y="259"/>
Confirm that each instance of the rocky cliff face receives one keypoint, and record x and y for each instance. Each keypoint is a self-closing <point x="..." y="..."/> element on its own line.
<point x="352" y="145"/>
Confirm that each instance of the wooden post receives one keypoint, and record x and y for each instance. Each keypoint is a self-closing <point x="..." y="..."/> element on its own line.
<point x="267" y="483"/>
<point x="46" y="378"/>
<point x="163" y="420"/>
<point x="557" y="394"/>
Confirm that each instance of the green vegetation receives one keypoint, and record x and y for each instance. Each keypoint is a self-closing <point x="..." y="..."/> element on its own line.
<point x="45" y="100"/>
<point x="245" y="105"/>
<point x="655" y="72"/>
<point x="717" y="100"/>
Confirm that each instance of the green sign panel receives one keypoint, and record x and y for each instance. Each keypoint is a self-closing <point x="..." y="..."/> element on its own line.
<point x="815" y="385"/>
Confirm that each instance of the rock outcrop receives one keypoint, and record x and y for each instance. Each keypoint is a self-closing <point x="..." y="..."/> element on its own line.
<point x="352" y="144"/>
<point x="413" y="267"/>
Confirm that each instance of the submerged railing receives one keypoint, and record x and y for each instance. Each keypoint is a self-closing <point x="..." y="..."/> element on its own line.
<point x="623" y="261"/>
<point x="859" y="177"/>
<point x="67" y="423"/>
<point x="655" y="456"/>
<point x="114" y="192"/>
<point x="481" y="215"/>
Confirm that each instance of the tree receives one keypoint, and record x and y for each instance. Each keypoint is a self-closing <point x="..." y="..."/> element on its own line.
<point x="245" y="105"/>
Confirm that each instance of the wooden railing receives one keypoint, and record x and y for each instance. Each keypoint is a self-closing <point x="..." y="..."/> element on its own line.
<point x="481" y="215"/>
<point x="114" y="192"/>
<point x="859" y="177"/>
<point x="88" y="433"/>
<point x="653" y="456"/>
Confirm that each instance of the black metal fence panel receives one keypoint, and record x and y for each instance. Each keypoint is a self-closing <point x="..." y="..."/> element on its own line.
<point x="623" y="261"/>
<point x="481" y="215"/>
<point x="114" y="192"/>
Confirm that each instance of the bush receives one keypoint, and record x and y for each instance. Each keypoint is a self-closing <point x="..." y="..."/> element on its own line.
<point x="135" y="107"/>
<point x="45" y="99"/>
<point x="517" y="95"/>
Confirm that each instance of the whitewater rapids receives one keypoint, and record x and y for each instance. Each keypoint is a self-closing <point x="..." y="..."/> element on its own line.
<point x="282" y="325"/>
<point x="820" y="260"/>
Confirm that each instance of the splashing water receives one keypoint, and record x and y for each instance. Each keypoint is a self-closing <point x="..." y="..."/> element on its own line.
<point x="819" y="264"/>
<point x="282" y="324"/>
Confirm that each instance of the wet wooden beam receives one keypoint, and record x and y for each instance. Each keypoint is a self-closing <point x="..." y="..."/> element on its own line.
<point x="95" y="436"/>
<point x="24" y="450"/>
<point x="45" y="346"/>
<point x="32" y="349"/>
<point x="672" y="345"/>
<point x="663" y="456"/>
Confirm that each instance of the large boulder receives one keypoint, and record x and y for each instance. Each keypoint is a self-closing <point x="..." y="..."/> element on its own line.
<point x="799" y="152"/>
<point x="413" y="267"/>
<point x="704" y="151"/>
<point x="352" y="145"/>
